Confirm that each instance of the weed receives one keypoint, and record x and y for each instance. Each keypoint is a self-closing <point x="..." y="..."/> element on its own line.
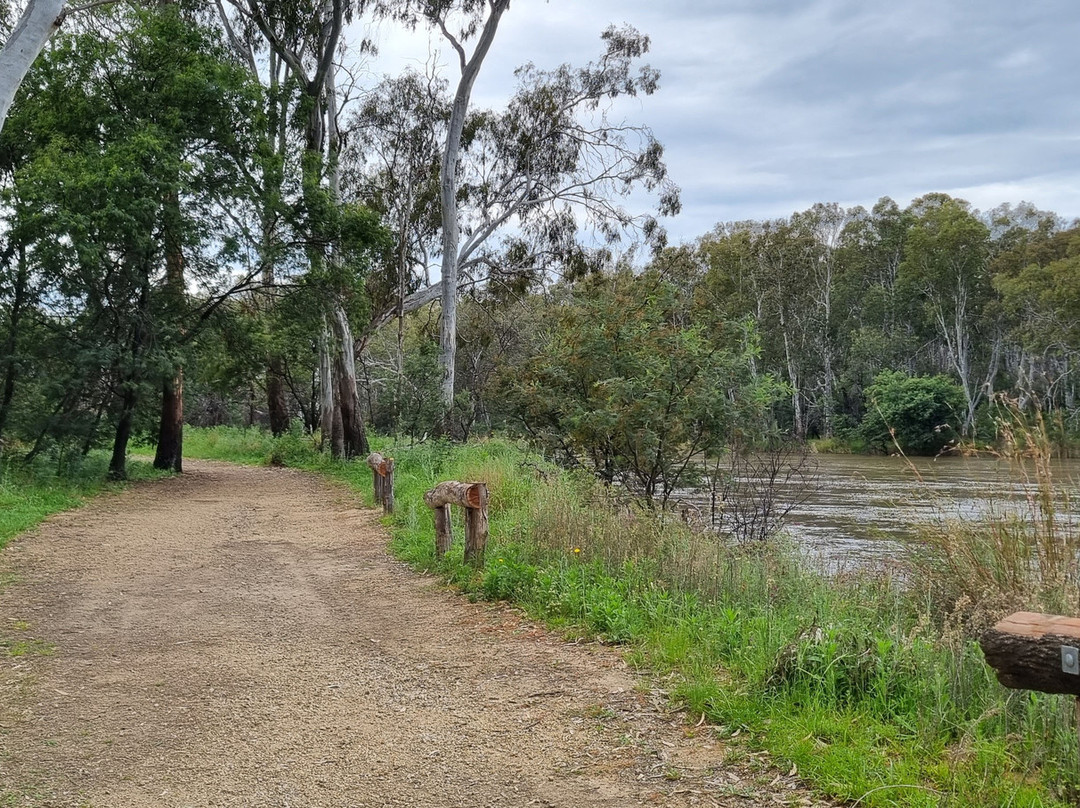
<point x="22" y="648"/>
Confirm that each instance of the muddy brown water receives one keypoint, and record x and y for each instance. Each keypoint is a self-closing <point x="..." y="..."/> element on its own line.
<point x="860" y="511"/>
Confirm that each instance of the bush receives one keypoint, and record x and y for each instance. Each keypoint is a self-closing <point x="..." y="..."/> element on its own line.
<point x="919" y="413"/>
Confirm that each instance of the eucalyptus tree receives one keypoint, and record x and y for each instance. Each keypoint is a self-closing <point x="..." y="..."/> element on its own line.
<point x="1036" y="272"/>
<point x="823" y="227"/>
<point x="392" y="166"/>
<point x="304" y="38"/>
<point x="518" y="186"/>
<point x="556" y="163"/>
<point x="38" y="22"/>
<point x="459" y="21"/>
<point x="267" y="176"/>
<point x="946" y="265"/>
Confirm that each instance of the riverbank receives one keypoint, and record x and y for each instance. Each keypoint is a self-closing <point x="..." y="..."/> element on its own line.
<point x="867" y="690"/>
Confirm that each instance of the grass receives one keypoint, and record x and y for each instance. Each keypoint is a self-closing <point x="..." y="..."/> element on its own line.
<point x="875" y="691"/>
<point x="28" y="494"/>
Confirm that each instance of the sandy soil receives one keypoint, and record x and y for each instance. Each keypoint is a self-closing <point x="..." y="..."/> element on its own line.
<point x="240" y="637"/>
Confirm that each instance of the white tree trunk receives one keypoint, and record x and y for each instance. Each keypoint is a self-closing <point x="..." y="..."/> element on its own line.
<point x="327" y="397"/>
<point x="448" y="187"/>
<point x="38" y="22"/>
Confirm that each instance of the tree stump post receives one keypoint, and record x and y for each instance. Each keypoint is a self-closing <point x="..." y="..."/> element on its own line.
<point x="382" y="470"/>
<point x="476" y="529"/>
<point x="444" y="531"/>
<point x="473" y="497"/>
<point x="388" y="490"/>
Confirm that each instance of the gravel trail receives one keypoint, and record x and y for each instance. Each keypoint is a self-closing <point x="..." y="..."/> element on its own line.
<point x="241" y="637"/>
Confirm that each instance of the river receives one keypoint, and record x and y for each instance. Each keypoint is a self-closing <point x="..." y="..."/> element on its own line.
<point x="855" y="510"/>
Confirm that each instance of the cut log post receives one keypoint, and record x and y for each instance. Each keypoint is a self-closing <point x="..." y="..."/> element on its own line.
<point x="467" y="495"/>
<point x="382" y="470"/>
<point x="474" y="498"/>
<point x="476" y="528"/>
<point x="1033" y="651"/>
<point x="444" y="531"/>
<point x="388" y="489"/>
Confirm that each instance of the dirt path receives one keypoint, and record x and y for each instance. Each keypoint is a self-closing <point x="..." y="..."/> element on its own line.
<point x="225" y="639"/>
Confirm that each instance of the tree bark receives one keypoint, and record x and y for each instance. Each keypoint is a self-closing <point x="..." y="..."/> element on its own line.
<point x="170" y="445"/>
<point x="118" y="461"/>
<point x="354" y="435"/>
<point x="169" y="454"/>
<point x="36" y="25"/>
<point x="277" y="408"/>
<point x="11" y="369"/>
<point x="328" y="397"/>
<point x="129" y="385"/>
<point x="1025" y="650"/>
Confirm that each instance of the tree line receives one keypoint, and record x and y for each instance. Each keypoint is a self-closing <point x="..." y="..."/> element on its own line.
<point x="176" y="177"/>
<point x="214" y="216"/>
<point x="879" y="329"/>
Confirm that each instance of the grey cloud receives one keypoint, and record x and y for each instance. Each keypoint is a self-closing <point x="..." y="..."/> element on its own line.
<point x="767" y="106"/>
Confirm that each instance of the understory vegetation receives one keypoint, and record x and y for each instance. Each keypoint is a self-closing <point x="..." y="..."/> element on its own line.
<point x="870" y="684"/>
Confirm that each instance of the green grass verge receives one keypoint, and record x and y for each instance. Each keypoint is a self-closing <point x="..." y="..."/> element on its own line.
<point x="853" y="680"/>
<point x="28" y="494"/>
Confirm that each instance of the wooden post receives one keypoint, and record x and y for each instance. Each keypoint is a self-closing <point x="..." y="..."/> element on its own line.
<point x="476" y="528"/>
<point x="388" y="488"/>
<point x="444" y="531"/>
<point x="474" y="498"/>
<point x="382" y="470"/>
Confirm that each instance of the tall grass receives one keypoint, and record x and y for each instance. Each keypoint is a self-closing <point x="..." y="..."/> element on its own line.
<point x="1024" y="553"/>
<point x="861" y="682"/>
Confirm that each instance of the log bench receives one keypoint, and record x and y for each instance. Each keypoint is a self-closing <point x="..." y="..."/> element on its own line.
<point x="1033" y="651"/>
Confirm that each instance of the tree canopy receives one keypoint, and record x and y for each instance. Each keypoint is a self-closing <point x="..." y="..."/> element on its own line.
<point x="217" y="208"/>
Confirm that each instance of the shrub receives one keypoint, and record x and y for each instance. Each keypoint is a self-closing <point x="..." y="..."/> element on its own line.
<point x="919" y="413"/>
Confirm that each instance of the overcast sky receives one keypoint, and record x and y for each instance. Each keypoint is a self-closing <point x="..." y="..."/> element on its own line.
<point x="768" y="106"/>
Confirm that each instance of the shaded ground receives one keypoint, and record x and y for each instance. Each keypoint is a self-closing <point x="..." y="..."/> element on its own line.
<point x="240" y="637"/>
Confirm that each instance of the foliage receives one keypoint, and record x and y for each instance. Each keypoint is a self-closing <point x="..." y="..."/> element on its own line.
<point x="919" y="414"/>
<point x="630" y="385"/>
<point x="120" y="150"/>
